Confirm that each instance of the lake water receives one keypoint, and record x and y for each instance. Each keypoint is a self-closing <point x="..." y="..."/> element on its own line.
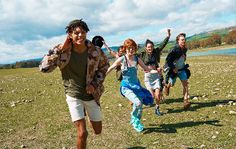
<point x="230" y="51"/>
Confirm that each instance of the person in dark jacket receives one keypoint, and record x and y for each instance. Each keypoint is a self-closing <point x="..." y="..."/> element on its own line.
<point x="175" y="67"/>
<point x="153" y="80"/>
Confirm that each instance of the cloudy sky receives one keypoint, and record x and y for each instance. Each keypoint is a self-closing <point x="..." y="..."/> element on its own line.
<point x="28" y="28"/>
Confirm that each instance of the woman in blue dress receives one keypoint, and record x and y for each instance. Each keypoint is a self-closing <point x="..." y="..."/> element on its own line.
<point x="130" y="85"/>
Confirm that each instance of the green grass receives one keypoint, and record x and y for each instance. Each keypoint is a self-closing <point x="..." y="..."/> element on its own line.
<point x="40" y="117"/>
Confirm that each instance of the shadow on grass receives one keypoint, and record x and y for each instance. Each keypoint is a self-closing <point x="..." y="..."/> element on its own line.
<point x="168" y="101"/>
<point x="199" y="105"/>
<point x="136" y="147"/>
<point x="171" y="128"/>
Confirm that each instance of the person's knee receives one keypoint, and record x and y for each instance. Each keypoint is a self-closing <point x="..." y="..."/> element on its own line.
<point x="98" y="131"/>
<point x="185" y="83"/>
<point x="158" y="93"/>
<point x="97" y="127"/>
<point x="83" y="134"/>
<point x="138" y="104"/>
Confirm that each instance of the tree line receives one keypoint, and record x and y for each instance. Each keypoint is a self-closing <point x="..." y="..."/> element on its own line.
<point x="21" y="64"/>
<point x="213" y="41"/>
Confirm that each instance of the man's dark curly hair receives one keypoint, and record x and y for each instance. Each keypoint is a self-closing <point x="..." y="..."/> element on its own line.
<point x="76" y="23"/>
<point x="148" y="41"/>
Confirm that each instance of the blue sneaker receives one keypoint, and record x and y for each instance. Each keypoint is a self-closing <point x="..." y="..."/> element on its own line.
<point x="157" y="111"/>
<point x="139" y="128"/>
<point x="137" y="125"/>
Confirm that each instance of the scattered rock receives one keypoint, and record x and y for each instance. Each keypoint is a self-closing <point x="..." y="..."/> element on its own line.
<point x="220" y="105"/>
<point x="214" y="112"/>
<point x="12" y="104"/>
<point x="195" y="98"/>
<point x="213" y="137"/>
<point x="156" y="142"/>
<point x="22" y="146"/>
<point x="5" y="147"/>
<point x="10" y="130"/>
<point x="119" y="105"/>
<point x="230" y="103"/>
<point x="214" y="93"/>
<point x="232" y="112"/>
<point x="202" y="146"/>
<point x="106" y="107"/>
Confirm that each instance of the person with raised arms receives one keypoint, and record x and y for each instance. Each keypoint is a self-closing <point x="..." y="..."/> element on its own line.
<point x="151" y="58"/>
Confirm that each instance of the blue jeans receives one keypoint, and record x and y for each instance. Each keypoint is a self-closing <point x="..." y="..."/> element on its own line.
<point x="137" y="103"/>
<point x="181" y="75"/>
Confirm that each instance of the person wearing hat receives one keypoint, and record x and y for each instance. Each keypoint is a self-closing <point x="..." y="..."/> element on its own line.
<point x="83" y="68"/>
<point x="176" y="67"/>
<point x="151" y="58"/>
<point x="98" y="41"/>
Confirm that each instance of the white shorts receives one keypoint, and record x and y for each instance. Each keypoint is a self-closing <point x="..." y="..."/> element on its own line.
<point x="152" y="81"/>
<point x="77" y="108"/>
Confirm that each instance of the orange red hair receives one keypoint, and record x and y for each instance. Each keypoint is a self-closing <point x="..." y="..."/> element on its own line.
<point x="128" y="43"/>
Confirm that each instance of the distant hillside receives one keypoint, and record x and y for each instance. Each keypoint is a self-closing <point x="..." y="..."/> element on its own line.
<point x="201" y="36"/>
<point x="196" y="37"/>
<point x="222" y="32"/>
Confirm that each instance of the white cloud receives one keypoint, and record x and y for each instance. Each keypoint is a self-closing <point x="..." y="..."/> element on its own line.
<point x="28" y="50"/>
<point x="28" y="27"/>
<point x="28" y="19"/>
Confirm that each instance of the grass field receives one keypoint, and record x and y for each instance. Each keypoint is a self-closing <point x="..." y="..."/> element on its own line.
<point x="34" y="113"/>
